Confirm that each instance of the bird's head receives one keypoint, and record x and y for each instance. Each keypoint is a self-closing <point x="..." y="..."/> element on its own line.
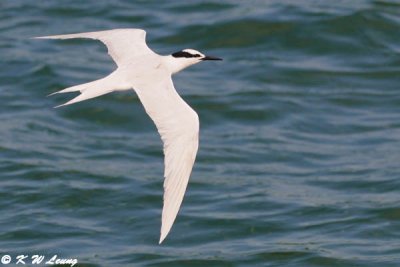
<point x="187" y="57"/>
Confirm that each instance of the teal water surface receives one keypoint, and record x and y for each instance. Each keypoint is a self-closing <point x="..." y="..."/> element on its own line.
<point x="299" y="159"/>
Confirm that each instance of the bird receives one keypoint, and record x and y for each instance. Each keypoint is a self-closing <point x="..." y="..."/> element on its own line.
<point x="150" y="76"/>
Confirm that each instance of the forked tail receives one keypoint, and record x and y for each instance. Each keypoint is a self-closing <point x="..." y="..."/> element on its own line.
<point x="93" y="89"/>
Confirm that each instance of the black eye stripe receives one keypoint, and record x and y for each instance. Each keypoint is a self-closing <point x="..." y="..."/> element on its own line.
<point x="185" y="54"/>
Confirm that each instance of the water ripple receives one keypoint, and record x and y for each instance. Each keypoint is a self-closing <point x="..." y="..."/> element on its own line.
<point x="298" y="159"/>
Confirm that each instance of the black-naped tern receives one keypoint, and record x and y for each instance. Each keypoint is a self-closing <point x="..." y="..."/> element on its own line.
<point x="149" y="75"/>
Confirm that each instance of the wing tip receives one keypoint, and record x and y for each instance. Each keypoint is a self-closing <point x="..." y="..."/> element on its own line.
<point x="44" y="37"/>
<point x="162" y="237"/>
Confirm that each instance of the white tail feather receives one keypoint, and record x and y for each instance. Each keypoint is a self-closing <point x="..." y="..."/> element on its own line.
<point x="94" y="89"/>
<point x="84" y="96"/>
<point x="80" y="87"/>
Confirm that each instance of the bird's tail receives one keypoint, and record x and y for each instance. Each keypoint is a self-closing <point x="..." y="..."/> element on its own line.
<point x="93" y="89"/>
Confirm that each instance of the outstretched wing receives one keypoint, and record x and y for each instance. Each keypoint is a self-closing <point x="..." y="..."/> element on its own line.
<point x="178" y="125"/>
<point x="122" y="44"/>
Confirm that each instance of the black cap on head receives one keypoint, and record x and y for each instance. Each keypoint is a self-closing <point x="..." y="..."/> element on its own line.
<point x="185" y="54"/>
<point x="191" y="53"/>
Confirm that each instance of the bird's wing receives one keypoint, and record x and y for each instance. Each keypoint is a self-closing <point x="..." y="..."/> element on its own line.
<point x="178" y="125"/>
<point x="122" y="44"/>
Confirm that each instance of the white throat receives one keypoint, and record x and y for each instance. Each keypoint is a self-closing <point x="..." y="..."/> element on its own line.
<point x="175" y="65"/>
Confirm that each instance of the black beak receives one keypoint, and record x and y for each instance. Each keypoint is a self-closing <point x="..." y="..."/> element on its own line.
<point x="211" y="58"/>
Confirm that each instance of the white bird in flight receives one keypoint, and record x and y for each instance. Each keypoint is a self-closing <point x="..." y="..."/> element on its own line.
<point x="149" y="75"/>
